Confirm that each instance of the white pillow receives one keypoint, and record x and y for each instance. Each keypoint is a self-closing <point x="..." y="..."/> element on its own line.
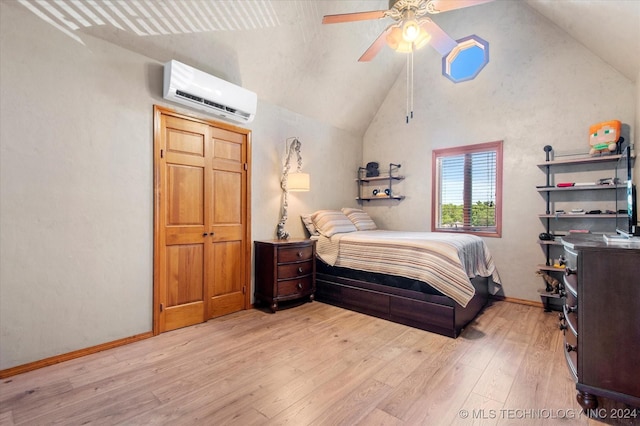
<point x="308" y="223"/>
<point x="331" y="222"/>
<point x="360" y="219"/>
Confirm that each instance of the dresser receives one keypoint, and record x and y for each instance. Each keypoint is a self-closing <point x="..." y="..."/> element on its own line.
<point x="284" y="270"/>
<point x="601" y="319"/>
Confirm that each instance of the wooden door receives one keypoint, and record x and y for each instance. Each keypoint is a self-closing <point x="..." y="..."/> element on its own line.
<point x="228" y="219"/>
<point x="201" y="221"/>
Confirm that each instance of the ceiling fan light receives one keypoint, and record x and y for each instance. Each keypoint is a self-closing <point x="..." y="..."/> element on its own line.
<point x="422" y="40"/>
<point x="410" y="31"/>
<point x="397" y="42"/>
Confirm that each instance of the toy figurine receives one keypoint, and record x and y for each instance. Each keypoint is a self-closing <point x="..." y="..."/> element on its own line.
<point x="603" y="137"/>
<point x="552" y="284"/>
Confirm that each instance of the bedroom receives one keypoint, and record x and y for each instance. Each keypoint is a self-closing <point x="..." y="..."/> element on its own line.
<point x="77" y="128"/>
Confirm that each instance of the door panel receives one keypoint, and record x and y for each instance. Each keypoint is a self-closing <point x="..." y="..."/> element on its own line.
<point x="228" y="281"/>
<point x="227" y="205"/>
<point x="185" y="195"/>
<point x="183" y="315"/>
<point x="228" y="222"/>
<point x="228" y="259"/>
<point x="185" y="268"/>
<point x="183" y="176"/>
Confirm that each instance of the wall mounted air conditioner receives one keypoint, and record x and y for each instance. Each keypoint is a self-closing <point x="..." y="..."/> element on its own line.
<point x="196" y="89"/>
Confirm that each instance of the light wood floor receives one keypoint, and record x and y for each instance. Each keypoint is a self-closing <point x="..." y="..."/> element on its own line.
<point x="312" y="364"/>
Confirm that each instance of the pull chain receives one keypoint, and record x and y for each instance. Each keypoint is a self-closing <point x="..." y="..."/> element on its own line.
<point x="412" y="81"/>
<point x="410" y="85"/>
<point x="408" y="90"/>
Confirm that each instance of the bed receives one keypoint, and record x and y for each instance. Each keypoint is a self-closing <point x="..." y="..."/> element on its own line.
<point x="433" y="281"/>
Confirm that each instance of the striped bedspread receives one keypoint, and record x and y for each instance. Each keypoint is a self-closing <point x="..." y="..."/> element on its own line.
<point x="444" y="261"/>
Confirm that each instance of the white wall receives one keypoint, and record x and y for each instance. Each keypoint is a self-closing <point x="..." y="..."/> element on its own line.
<point x="540" y="87"/>
<point x="330" y="155"/>
<point x="76" y="186"/>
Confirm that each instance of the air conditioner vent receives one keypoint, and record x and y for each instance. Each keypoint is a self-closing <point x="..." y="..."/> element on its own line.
<point x="214" y="104"/>
<point x="190" y="96"/>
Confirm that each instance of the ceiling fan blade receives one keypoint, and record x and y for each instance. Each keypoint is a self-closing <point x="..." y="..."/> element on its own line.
<point x="437" y="6"/>
<point x="439" y="39"/>
<point x="375" y="47"/>
<point x="350" y="17"/>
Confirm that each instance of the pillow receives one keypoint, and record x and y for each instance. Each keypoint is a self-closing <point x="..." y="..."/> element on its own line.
<point x="360" y="219"/>
<point x="331" y="222"/>
<point x="308" y="223"/>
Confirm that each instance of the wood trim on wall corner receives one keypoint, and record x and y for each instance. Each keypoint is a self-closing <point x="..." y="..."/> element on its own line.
<point x="72" y="355"/>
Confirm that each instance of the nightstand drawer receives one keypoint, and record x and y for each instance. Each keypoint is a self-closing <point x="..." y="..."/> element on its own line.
<point x="295" y="287"/>
<point x="292" y="270"/>
<point x="295" y="254"/>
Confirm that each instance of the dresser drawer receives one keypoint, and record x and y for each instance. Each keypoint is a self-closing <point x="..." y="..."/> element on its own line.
<point x="295" y="287"/>
<point x="570" y="307"/>
<point x="571" y="257"/>
<point x="570" y="352"/>
<point x="291" y="270"/>
<point x="571" y="284"/>
<point x="295" y="254"/>
<point x="571" y="317"/>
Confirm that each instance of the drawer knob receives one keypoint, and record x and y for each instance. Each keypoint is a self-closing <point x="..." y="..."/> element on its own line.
<point x="562" y="326"/>
<point x="299" y="254"/>
<point x="572" y="309"/>
<point x="300" y="286"/>
<point x="570" y="348"/>
<point x="568" y="271"/>
<point x="300" y="269"/>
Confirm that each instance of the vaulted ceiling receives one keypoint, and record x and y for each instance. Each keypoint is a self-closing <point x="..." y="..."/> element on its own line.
<point x="280" y="49"/>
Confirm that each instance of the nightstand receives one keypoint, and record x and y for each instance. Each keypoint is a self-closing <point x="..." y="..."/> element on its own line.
<point x="284" y="270"/>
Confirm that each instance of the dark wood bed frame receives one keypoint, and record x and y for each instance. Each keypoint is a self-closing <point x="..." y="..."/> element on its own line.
<point x="432" y="312"/>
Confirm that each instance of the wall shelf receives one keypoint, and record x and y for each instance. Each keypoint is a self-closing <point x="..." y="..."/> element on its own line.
<point x="567" y="194"/>
<point x="398" y="197"/>
<point x="365" y="184"/>
<point x="379" y="178"/>
<point x="550" y="242"/>
<point x="580" y="216"/>
<point x="579" y="188"/>
<point x="543" y="267"/>
<point x="582" y="160"/>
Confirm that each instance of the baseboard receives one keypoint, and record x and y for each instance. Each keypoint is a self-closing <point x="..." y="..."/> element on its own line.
<point x="72" y="355"/>
<point x="518" y="301"/>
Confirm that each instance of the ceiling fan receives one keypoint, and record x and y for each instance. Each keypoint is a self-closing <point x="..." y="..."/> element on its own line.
<point x="412" y="29"/>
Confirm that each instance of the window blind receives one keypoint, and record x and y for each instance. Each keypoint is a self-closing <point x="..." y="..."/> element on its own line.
<point x="467" y="191"/>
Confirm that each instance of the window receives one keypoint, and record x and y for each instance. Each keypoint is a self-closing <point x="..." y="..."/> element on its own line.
<point x="467" y="189"/>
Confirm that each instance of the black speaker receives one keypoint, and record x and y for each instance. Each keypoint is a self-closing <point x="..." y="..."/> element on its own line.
<point x="372" y="169"/>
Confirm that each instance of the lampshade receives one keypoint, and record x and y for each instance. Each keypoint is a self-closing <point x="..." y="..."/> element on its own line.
<point x="397" y="41"/>
<point x="298" y="182"/>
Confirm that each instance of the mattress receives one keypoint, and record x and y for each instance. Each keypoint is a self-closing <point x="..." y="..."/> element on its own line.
<point x="446" y="262"/>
